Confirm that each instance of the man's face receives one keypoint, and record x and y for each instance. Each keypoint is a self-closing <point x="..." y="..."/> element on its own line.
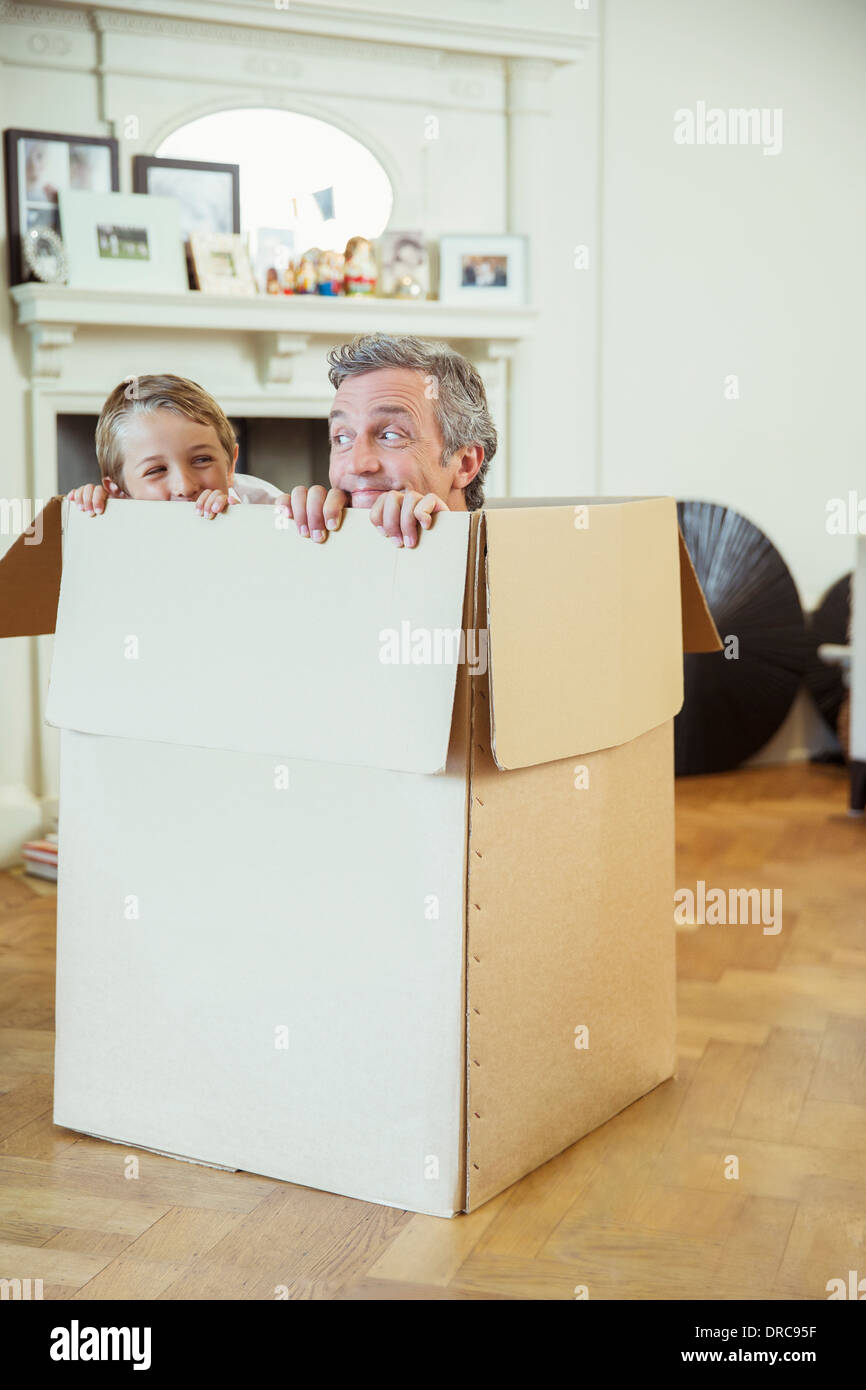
<point x="385" y="436"/>
<point x="169" y="458"/>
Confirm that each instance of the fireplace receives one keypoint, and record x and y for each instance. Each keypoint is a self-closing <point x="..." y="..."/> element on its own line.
<point x="285" y="451"/>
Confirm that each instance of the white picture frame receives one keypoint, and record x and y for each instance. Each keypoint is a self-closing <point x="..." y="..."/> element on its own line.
<point x="123" y="241"/>
<point x="221" y="263"/>
<point x="496" y="264"/>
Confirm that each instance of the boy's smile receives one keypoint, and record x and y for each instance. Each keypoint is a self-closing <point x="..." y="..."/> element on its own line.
<point x="170" y="458"/>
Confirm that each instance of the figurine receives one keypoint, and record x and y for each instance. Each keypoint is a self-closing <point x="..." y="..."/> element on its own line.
<point x="360" y="266"/>
<point x="330" y="273"/>
<point x="272" y="280"/>
<point x="289" y="278"/>
<point x="305" y="276"/>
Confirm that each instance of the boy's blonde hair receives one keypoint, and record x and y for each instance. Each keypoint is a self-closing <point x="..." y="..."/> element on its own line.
<point x="145" y="393"/>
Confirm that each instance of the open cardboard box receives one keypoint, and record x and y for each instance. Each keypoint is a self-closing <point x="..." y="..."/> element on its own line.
<point x="398" y="930"/>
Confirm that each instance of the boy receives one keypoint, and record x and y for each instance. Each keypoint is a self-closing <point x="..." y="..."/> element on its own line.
<point x="165" y="439"/>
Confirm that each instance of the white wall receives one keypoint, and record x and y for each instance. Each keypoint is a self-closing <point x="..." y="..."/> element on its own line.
<point x="720" y="260"/>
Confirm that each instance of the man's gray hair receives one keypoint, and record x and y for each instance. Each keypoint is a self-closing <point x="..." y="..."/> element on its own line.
<point x="455" y="387"/>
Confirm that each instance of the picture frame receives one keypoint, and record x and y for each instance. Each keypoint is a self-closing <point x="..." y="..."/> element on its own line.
<point x="39" y="165"/>
<point x="480" y="268"/>
<point x="209" y="194"/>
<point x="222" y="264"/>
<point x="123" y="241"/>
<point x="402" y="257"/>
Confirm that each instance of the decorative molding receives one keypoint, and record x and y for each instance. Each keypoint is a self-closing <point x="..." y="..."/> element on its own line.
<point x="281" y="40"/>
<point x="47" y="345"/>
<point x="397" y="37"/>
<point x="49" y="45"/>
<point x="278" y="354"/>
<point x="43" y="17"/>
<point x="263" y="65"/>
<point x="57" y="307"/>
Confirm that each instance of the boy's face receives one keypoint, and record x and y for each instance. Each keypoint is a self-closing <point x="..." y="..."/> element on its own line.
<point x="170" y="458"/>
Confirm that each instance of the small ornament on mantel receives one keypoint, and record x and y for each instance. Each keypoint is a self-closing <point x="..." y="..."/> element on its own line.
<point x="289" y="278"/>
<point x="360" y="266"/>
<point x="330" y="273"/>
<point x="305" y="275"/>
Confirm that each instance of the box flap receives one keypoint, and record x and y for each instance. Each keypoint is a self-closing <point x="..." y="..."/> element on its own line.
<point x="236" y="633"/>
<point x="700" y="633"/>
<point x="30" y="577"/>
<point x="586" y="636"/>
<point x="699" y="630"/>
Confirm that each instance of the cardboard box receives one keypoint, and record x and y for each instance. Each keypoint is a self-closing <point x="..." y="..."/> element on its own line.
<point x="391" y="928"/>
<point x="857" y="736"/>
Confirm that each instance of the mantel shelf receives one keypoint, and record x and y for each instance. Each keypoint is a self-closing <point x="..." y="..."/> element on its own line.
<point x="308" y="315"/>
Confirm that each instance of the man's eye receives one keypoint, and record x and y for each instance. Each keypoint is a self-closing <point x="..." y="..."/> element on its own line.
<point x="395" y="434"/>
<point x="339" y="438"/>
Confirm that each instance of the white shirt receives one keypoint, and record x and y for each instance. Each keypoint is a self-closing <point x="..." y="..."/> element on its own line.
<point x="249" y="489"/>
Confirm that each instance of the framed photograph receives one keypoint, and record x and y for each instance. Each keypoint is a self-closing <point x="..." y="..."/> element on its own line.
<point x="221" y="264"/>
<point x="208" y="194"/>
<point x="404" y="265"/>
<point x="123" y="241"/>
<point x="482" y="269"/>
<point x="39" y="166"/>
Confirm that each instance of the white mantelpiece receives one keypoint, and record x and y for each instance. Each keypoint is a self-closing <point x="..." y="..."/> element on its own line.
<point x="309" y="314"/>
<point x="259" y="356"/>
<point x="286" y="326"/>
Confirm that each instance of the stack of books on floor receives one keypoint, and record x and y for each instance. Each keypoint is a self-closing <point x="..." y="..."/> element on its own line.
<point x="40" y="857"/>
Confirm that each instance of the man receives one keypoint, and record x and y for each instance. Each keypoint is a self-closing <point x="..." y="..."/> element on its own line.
<point x="411" y="435"/>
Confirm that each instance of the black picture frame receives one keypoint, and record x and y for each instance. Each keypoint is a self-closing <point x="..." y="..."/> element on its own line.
<point x="19" y="209"/>
<point x="142" y="164"/>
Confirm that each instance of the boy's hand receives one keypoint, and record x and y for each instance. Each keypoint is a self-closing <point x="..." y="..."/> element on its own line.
<point x="398" y="514"/>
<point x="212" y="502"/>
<point x="314" y="511"/>
<point x="91" y="498"/>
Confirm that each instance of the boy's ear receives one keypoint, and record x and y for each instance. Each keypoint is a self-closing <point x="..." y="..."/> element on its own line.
<point x="112" y="488"/>
<point x="233" y="462"/>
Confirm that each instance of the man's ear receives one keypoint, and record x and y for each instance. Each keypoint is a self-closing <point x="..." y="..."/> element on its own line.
<point x="471" y="457"/>
<point x="233" y="462"/>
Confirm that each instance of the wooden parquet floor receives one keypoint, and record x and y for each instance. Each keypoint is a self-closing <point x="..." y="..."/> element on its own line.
<point x="772" y="1074"/>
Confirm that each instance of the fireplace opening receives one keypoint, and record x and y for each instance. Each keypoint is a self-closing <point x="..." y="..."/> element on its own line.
<point x="286" y="452"/>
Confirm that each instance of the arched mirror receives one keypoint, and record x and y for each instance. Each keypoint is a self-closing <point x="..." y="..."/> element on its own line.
<point x="296" y="172"/>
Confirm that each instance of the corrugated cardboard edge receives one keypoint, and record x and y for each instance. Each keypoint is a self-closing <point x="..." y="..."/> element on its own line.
<point x="30" y="577"/>
<point x="464" y="704"/>
<point x="480" y="726"/>
<point x="700" y="633"/>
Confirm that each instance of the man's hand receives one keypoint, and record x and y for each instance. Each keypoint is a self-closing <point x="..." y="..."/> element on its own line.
<point x="92" y="497"/>
<point x="398" y="514"/>
<point x="212" y="502"/>
<point x="314" y="511"/>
